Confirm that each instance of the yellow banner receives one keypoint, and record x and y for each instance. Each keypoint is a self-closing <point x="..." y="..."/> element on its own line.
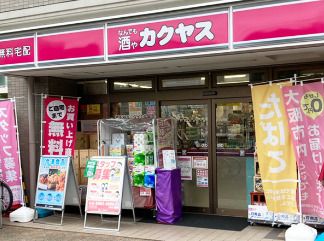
<point x="274" y="148"/>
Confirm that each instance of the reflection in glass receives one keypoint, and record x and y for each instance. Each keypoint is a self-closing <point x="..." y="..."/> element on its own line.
<point x="235" y="142"/>
<point x="192" y="132"/>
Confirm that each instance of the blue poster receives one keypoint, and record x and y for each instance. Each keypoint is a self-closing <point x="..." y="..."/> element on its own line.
<point x="51" y="181"/>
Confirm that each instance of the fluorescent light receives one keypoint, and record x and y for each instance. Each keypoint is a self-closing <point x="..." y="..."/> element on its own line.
<point x="203" y="78"/>
<point x="234" y="76"/>
<point x="120" y="83"/>
<point x="133" y="85"/>
<point x="145" y="87"/>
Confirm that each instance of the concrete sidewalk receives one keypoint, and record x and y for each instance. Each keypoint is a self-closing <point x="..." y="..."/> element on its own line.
<point x="73" y="227"/>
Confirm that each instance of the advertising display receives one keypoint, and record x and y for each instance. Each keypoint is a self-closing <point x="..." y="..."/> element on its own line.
<point x="184" y="163"/>
<point x="275" y="151"/>
<point x="304" y="108"/>
<point x="202" y="177"/>
<point x="200" y="162"/>
<point x="10" y="170"/>
<point x="174" y="34"/>
<point x="60" y="117"/>
<point x="51" y="182"/>
<point x="105" y="188"/>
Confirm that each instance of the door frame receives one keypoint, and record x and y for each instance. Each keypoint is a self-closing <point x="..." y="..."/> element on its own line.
<point x="211" y="186"/>
<point x="214" y="103"/>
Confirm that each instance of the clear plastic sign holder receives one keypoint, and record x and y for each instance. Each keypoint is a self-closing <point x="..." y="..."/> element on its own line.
<point x="71" y="195"/>
<point x="126" y="201"/>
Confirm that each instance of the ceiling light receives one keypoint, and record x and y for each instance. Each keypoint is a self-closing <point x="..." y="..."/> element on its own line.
<point x="234" y="76"/>
<point x="134" y="85"/>
<point x="145" y="87"/>
<point x="120" y="83"/>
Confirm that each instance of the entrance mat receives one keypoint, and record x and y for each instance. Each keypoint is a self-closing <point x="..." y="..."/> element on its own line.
<point x="207" y="221"/>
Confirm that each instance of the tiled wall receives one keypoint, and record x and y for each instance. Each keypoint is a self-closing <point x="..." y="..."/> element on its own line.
<point x="18" y="87"/>
<point x="10" y="5"/>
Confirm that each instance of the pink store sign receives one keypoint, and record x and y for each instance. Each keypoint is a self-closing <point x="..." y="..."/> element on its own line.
<point x="71" y="45"/>
<point x="9" y="156"/>
<point x="17" y="51"/>
<point x="286" y="20"/>
<point x="305" y="112"/>
<point x="190" y="32"/>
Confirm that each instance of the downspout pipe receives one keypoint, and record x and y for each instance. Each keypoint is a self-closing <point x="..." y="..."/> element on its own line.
<point x="31" y="141"/>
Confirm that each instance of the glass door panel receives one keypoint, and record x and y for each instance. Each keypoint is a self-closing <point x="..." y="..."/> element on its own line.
<point x="192" y="132"/>
<point x="234" y="144"/>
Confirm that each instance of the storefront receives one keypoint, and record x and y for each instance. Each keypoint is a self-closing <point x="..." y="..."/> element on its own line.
<point x="194" y="64"/>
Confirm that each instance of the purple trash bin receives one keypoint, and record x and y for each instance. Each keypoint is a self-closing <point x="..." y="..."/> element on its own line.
<point x="168" y="195"/>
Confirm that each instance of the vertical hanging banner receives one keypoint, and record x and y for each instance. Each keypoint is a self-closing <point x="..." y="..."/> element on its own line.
<point x="275" y="151"/>
<point x="60" y="117"/>
<point x="304" y="108"/>
<point x="10" y="169"/>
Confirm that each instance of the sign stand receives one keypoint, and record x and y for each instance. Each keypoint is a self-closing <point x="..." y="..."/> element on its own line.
<point x="125" y="201"/>
<point x="70" y="192"/>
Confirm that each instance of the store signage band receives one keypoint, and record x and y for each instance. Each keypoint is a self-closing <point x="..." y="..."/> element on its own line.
<point x="202" y="32"/>
<point x="71" y="45"/>
<point x="207" y="30"/>
<point x="278" y="21"/>
<point x="17" y="51"/>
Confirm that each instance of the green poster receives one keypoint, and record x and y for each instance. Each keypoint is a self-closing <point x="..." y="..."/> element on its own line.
<point x="90" y="169"/>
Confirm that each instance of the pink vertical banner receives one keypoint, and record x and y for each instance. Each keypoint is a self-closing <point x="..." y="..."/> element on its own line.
<point x="304" y="109"/>
<point x="60" y="125"/>
<point x="9" y="156"/>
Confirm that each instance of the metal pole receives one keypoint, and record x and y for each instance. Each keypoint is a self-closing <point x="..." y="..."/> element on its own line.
<point x="299" y="198"/>
<point x="42" y="123"/>
<point x="19" y="155"/>
<point x="32" y="141"/>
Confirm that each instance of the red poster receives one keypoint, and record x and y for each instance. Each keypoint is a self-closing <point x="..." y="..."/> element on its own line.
<point x="9" y="156"/>
<point x="60" y="125"/>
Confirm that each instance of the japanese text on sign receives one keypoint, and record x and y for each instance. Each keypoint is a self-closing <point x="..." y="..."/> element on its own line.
<point x="60" y="126"/>
<point x="9" y="156"/>
<point x="151" y="37"/>
<point x="177" y="33"/>
<point x="275" y="151"/>
<point x="17" y="51"/>
<point x="304" y="107"/>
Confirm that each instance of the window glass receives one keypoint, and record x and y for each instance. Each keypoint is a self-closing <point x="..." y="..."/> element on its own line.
<point x="132" y="85"/>
<point x="244" y="77"/>
<point x="200" y="80"/>
<point x="133" y="109"/>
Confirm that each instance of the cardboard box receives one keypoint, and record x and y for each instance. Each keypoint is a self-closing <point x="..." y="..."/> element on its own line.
<point x="77" y="176"/>
<point x="83" y="179"/>
<point x="82" y="141"/>
<point x="93" y="152"/>
<point x="76" y="159"/>
<point x="84" y="156"/>
<point x="93" y="141"/>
